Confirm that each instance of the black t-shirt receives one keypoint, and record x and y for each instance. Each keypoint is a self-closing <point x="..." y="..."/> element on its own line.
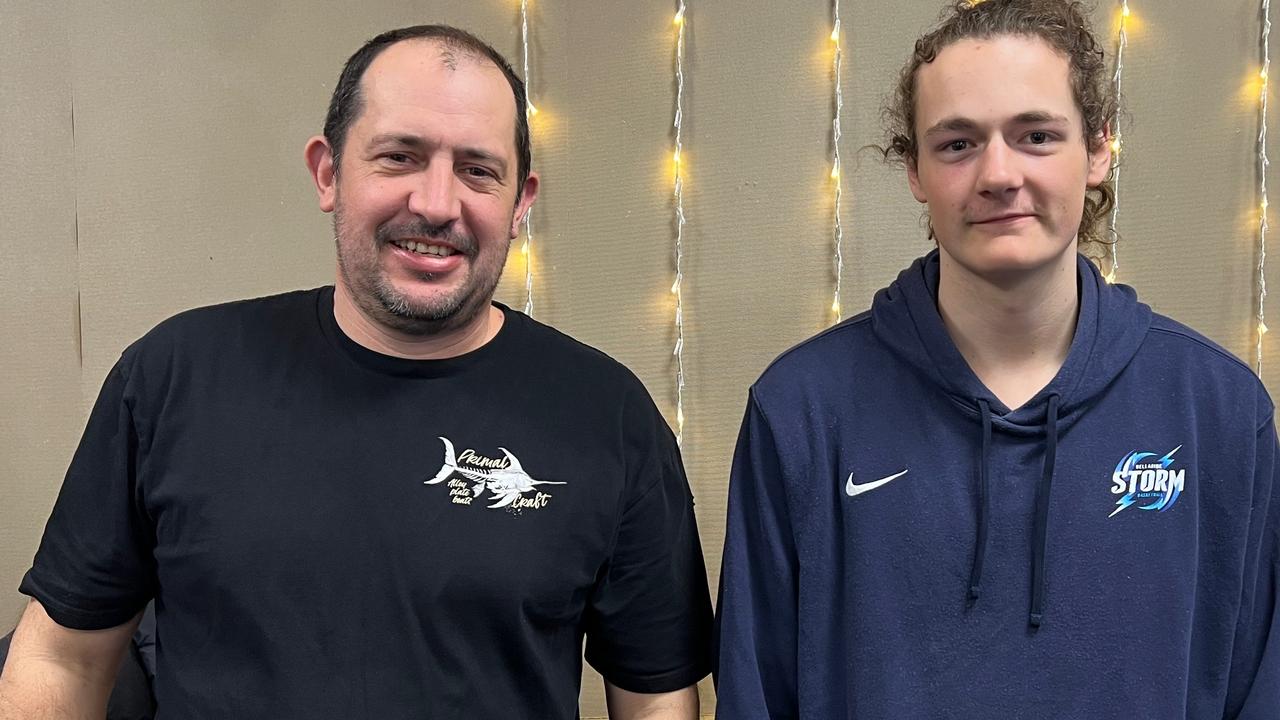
<point x="333" y="533"/>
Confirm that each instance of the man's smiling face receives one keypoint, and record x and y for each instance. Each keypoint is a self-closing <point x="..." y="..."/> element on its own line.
<point x="425" y="196"/>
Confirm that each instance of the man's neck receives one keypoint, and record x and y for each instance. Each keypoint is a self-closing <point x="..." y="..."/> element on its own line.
<point x="375" y="336"/>
<point x="1015" y="335"/>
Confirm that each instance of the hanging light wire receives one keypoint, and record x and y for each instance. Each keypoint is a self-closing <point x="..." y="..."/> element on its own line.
<point x="526" y="248"/>
<point x="1263" y="164"/>
<point x="838" y="240"/>
<point x="677" y="287"/>
<point x="1122" y="43"/>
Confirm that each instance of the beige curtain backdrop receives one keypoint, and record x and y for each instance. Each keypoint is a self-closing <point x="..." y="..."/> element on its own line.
<point x="151" y="157"/>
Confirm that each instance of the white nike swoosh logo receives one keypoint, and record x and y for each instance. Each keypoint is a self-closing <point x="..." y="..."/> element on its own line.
<point x="855" y="490"/>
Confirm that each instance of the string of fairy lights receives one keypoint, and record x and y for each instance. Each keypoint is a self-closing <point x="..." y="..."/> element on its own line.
<point x="1263" y="164"/>
<point x="526" y="248"/>
<point x="1122" y="43"/>
<point x="677" y="287"/>
<point x="838" y="240"/>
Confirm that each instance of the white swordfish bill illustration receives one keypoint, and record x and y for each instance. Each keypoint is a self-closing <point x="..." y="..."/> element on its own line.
<point x="506" y="483"/>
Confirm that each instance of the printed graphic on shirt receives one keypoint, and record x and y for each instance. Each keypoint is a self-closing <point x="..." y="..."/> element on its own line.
<point x="510" y="485"/>
<point x="1138" y="477"/>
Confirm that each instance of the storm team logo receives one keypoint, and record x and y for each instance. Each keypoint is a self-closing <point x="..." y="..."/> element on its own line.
<point x="1142" y="476"/>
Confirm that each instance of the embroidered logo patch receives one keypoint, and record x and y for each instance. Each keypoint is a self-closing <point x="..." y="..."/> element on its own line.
<point x="471" y="474"/>
<point x="1141" y="476"/>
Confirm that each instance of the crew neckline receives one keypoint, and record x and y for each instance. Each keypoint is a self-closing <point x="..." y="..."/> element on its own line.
<point x="382" y="364"/>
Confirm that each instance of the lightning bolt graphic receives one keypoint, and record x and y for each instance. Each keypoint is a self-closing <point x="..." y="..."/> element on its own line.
<point x="1167" y="460"/>
<point x="1123" y="502"/>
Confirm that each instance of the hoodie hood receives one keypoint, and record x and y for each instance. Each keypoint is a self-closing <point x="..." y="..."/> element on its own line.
<point x="1110" y="327"/>
<point x="1109" y="330"/>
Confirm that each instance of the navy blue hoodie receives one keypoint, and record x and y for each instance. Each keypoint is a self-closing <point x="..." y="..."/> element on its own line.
<point x="902" y="545"/>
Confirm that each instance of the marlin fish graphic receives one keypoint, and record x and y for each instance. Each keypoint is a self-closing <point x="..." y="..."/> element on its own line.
<point x="506" y="483"/>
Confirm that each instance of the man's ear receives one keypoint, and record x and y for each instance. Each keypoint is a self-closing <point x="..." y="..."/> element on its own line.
<point x="1099" y="157"/>
<point x="319" y="158"/>
<point x="524" y="203"/>
<point x="913" y="180"/>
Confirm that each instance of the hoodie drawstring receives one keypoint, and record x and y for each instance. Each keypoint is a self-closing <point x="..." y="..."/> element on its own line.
<point x="1041" y="539"/>
<point x="1040" y="532"/>
<point x="984" y="504"/>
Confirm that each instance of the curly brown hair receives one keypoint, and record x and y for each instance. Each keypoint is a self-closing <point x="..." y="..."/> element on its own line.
<point x="1064" y="25"/>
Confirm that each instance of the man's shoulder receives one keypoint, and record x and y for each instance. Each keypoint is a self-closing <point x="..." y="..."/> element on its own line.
<point x="562" y="353"/>
<point x="236" y="313"/>
<point x="844" y="344"/>
<point x="1172" y="337"/>
<point x="581" y="374"/>
<point x="212" y="328"/>
<point x="1223" y="377"/>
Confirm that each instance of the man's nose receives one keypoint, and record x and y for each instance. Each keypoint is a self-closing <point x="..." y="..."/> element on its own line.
<point x="999" y="171"/>
<point x="434" y="197"/>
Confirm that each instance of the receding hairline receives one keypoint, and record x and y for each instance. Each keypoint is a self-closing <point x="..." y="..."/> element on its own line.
<point x="347" y="101"/>
<point x="450" y="50"/>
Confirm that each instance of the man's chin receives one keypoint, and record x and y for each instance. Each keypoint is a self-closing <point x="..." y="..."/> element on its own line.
<point x="428" y="316"/>
<point x="1010" y="272"/>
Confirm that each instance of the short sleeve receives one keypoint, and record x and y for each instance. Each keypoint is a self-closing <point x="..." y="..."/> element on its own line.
<point x="94" y="567"/>
<point x="648" y="621"/>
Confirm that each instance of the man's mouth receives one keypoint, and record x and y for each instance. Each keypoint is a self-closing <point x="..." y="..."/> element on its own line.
<point x="1002" y="218"/>
<point x="424" y="248"/>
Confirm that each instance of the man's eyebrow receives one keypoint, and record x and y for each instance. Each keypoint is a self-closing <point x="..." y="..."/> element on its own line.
<point x="1034" y="117"/>
<point x="951" y="124"/>
<point x="415" y="142"/>
<point x="410" y="141"/>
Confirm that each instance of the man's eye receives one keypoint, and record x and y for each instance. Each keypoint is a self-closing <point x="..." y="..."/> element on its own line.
<point x="477" y="172"/>
<point x="957" y="145"/>
<point x="397" y="158"/>
<point x="1038" y="137"/>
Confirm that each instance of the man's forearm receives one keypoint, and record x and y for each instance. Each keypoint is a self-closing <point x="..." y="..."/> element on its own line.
<point x="33" y="690"/>
<point x="56" y="672"/>
<point x="8" y="710"/>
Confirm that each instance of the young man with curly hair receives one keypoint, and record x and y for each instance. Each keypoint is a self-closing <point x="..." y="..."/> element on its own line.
<point x="1009" y="489"/>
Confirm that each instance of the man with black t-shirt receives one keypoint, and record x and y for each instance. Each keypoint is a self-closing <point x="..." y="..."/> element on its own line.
<point x="387" y="498"/>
